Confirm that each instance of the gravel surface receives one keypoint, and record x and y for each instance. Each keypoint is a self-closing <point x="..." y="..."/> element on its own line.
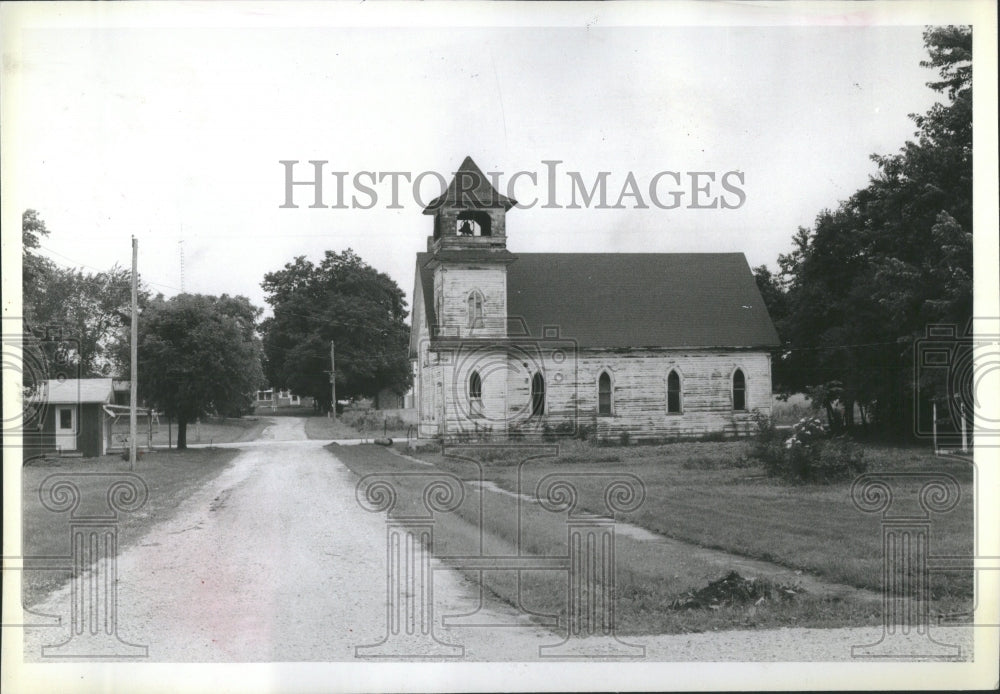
<point x="274" y="560"/>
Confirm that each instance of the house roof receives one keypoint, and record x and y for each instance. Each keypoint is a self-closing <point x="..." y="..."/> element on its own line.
<point x="78" y="391"/>
<point x="618" y="300"/>
<point x="480" y="194"/>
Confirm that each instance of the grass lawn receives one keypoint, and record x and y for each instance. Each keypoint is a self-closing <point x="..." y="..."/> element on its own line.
<point x="323" y="428"/>
<point x="213" y="430"/>
<point x="171" y="477"/>
<point x="695" y="493"/>
<point x="353" y="424"/>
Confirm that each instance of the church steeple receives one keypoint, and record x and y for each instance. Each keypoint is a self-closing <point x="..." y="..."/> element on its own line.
<point x="470" y="213"/>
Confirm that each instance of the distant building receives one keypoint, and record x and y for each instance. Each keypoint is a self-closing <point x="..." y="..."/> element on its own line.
<point x="278" y="398"/>
<point x="652" y="344"/>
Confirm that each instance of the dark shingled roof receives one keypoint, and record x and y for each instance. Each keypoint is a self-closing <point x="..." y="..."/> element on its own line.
<point x="479" y="195"/>
<point x="634" y="299"/>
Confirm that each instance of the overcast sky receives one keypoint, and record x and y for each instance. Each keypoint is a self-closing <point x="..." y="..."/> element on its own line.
<point x="176" y="135"/>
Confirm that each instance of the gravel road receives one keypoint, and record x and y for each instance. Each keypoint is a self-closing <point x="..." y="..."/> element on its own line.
<point x="274" y="560"/>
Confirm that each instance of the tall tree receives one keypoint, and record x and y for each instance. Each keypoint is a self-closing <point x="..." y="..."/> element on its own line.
<point x="341" y="300"/>
<point x="91" y="308"/>
<point x="198" y="355"/>
<point x="77" y="316"/>
<point x="867" y="278"/>
<point x="33" y="266"/>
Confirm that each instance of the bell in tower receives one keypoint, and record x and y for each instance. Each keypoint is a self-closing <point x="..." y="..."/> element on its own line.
<point x="470" y="213"/>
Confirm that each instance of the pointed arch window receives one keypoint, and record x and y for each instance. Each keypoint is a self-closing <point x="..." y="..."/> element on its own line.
<point x="475" y="386"/>
<point x="475" y="303"/>
<point x="538" y="395"/>
<point x="739" y="390"/>
<point x="674" y="392"/>
<point x="604" y="394"/>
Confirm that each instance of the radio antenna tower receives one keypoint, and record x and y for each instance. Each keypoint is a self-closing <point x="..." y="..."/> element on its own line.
<point x="180" y="248"/>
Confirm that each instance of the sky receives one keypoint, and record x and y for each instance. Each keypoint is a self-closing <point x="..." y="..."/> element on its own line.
<point x="175" y="135"/>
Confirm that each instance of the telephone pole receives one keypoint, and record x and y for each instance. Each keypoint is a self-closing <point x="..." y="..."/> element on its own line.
<point x="333" y="384"/>
<point x="133" y="385"/>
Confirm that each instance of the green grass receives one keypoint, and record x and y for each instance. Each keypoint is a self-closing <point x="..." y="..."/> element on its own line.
<point x="354" y="424"/>
<point x="211" y="430"/>
<point x="703" y="494"/>
<point x="171" y="476"/>
<point x="792" y="410"/>
<point x="323" y="428"/>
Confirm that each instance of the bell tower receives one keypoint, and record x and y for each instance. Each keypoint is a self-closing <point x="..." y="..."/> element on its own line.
<point x="469" y="256"/>
<point x="470" y="213"/>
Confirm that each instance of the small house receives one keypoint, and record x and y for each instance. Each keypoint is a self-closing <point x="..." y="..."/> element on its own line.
<point x="75" y="419"/>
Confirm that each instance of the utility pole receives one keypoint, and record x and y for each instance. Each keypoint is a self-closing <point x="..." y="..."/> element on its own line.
<point x="132" y="428"/>
<point x="965" y="440"/>
<point x="934" y="425"/>
<point x="333" y="384"/>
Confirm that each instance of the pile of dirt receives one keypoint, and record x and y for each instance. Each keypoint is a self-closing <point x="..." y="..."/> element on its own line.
<point x="733" y="590"/>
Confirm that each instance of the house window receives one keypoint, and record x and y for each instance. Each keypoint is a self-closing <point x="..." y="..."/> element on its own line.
<point x="66" y="418"/>
<point x="475" y="386"/>
<point x="475" y="310"/>
<point x="739" y="390"/>
<point x="604" y="394"/>
<point x="538" y="395"/>
<point x="674" y="393"/>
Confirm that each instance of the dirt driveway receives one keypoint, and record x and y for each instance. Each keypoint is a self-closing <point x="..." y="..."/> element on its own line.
<point x="274" y="560"/>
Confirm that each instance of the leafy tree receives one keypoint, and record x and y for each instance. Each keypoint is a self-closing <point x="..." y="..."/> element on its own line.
<point x="94" y="309"/>
<point x="198" y="355"/>
<point x="866" y="279"/>
<point x="346" y="301"/>
<point x="33" y="266"/>
<point x="84" y="312"/>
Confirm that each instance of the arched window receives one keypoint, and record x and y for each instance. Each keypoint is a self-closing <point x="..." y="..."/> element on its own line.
<point x="604" y="394"/>
<point x="739" y="390"/>
<point x="475" y="302"/>
<point x="538" y="395"/>
<point x="674" y="392"/>
<point x="475" y="386"/>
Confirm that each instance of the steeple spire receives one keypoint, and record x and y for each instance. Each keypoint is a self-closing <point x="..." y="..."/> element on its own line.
<point x="470" y="213"/>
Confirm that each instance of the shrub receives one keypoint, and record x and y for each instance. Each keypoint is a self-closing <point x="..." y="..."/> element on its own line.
<point x="584" y="432"/>
<point x="838" y="458"/>
<point x="808" y="455"/>
<point x="624" y="438"/>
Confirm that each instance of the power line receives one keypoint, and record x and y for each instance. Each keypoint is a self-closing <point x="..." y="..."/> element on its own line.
<point x="78" y="264"/>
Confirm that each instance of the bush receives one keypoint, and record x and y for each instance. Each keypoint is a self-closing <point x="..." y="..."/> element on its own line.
<point x="838" y="458"/>
<point x="373" y="421"/>
<point x="624" y="438"/>
<point x="808" y="455"/>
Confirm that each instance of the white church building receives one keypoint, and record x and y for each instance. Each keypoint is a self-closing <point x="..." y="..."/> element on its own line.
<point x="658" y="345"/>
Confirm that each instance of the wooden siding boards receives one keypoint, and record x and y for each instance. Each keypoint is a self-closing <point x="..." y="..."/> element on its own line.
<point x="639" y="391"/>
<point x="456" y="283"/>
<point x="91" y="430"/>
